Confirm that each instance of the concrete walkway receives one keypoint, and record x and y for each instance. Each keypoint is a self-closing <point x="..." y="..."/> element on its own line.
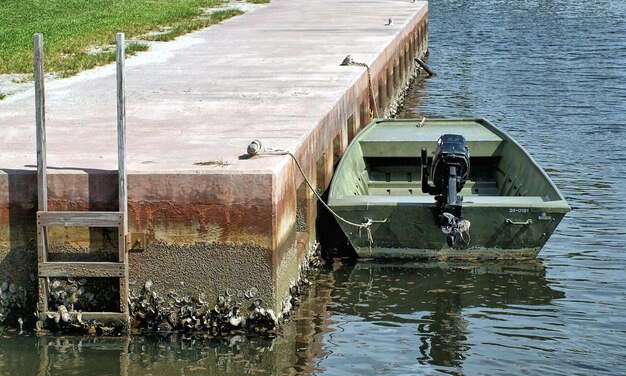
<point x="270" y="74"/>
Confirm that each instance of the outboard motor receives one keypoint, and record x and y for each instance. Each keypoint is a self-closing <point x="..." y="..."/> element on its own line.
<point x="450" y="169"/>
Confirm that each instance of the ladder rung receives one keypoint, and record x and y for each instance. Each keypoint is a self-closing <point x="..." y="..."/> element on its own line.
<point x="100" y="316"/>
<point x="80" y="218"/>
<point x="82" y="269"/>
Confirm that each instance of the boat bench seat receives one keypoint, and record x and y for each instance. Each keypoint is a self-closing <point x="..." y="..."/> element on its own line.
<point x="411" y="149"/>
<point x="504" y="200"/>
<point x="495" y="201"/>
<point x="414" y="188"/>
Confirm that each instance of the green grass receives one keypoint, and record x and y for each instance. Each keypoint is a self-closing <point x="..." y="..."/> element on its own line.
<point x="258" y="1"/>
<point x="188" y="25"/>
<point x="72" y="27"/>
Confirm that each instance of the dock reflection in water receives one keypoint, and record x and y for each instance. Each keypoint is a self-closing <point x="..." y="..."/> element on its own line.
<point x="295" y="351"/>
<point x="360" y="318"/>
<point x="135" y="355"/>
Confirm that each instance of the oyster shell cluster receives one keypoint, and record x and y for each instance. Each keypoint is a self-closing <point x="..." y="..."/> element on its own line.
<point x="71" y="293"/>
<point x="62" y="316"/>
<point x="67" y="300"/>
<point x="188" y="313"/>
<point x="64" y="295"/>
<point x="13" y="303"/>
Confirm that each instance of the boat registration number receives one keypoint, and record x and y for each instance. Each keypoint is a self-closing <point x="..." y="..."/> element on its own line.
<point x="519" y="210"/>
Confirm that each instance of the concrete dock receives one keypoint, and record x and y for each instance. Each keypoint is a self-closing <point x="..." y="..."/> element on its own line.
<point x="212" y="222"/>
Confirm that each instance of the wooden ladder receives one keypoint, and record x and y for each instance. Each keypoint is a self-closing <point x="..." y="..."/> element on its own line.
<point x="119" y="219"/>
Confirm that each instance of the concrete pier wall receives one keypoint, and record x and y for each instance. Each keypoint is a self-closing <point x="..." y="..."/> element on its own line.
<point x="213" y="222"/>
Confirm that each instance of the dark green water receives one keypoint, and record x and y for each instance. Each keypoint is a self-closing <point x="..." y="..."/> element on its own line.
<point x="552" y="73"/>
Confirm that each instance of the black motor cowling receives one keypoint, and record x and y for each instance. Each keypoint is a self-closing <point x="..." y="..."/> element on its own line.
<point x="450" y="169"/>
<point x="451" y="150"/>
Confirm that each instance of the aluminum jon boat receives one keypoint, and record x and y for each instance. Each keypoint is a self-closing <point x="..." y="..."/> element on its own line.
<point x="443" y="188"/>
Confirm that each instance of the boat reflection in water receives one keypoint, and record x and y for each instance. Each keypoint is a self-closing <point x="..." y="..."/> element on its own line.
<point x="402" y="318"/>
<point x="431" y="310"/>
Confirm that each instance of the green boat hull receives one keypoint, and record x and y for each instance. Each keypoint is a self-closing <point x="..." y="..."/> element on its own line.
<point x="512" y="205"/>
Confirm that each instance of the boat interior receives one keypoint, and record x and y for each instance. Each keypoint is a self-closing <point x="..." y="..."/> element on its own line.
<point x="385" y="161"/>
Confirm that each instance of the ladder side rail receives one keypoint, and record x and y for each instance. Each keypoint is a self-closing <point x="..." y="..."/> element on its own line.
<point x="40" y="120"/>
<point x="121" y="128"/>
<point x="122" y="173"/>
<point x="42" y="178"/>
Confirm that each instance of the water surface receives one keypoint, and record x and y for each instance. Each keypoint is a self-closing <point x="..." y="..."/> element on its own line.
<point x="552" y="73"/>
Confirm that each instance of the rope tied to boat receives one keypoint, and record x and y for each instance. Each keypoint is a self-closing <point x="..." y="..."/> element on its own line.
<point x="254" y="148"/>
<point x="366" y="224"/>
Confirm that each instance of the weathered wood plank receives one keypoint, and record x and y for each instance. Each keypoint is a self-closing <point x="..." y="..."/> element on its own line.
<point x="122" y="173"/>
<point x="123" y="245"/>
<point x="124" y="294"/>
<point x="83" y="269"/>
<point x="42" y="302"/>
<point x="42" y="244"/>
<point x="80" y="219"/>
<point x="40" y="119"/>
<point x="100" y="316"/>
<point x="121" y="127"/>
